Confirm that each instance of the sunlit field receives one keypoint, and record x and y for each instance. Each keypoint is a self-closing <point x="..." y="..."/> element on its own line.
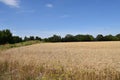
<point x="62" y="61"/>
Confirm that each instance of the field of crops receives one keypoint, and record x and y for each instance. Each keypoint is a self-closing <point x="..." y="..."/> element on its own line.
<point x="62" y="61"/>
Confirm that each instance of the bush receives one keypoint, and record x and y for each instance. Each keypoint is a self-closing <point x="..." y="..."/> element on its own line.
<point x="110" y="38"/>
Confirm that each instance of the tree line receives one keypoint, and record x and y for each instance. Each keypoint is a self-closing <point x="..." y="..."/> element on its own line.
<point x="82" y="38"/>
<point x="7" y="37"/>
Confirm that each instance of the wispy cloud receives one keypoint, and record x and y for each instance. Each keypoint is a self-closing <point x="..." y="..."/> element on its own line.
<point x="11" y="3"/>
<point x="49" y="5"/>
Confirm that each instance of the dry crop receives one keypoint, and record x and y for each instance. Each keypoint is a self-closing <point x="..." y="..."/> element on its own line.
<point x="62" y="61"/>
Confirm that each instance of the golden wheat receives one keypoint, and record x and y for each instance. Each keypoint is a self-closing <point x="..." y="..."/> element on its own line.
<point x="62" y="61"/>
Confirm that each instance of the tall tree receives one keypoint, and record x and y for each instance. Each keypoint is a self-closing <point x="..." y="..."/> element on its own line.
<point x="99" y="37"/>
<point x="5" y="36"/>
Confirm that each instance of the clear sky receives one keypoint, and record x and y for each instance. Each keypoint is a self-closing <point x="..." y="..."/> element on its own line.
<point x="47" y="17"/>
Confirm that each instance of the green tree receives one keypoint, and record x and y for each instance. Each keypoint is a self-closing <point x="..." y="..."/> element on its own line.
<point x="84" y="37"/>
<point x="99" y="37"/>
<point x="110" y="38"/>
<point x="16" y="39"/>
<point x="118" y="36"/>
<point x="5" y="36"/>
<point x="68" y="38"/>
<point x="54" y="38"/>
<point x="38" y="38"/>
<point x="31" y="38"/>
<point x="79" y="37"/>
<point x="26" y="38"/>
<point x="88" y="38"/>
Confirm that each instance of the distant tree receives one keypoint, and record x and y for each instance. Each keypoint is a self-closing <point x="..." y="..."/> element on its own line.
<point x="99" y="37"/>
<point x="26" y="38"/>
<point x="38" y="38"/>
<point x="1" y="37"/>
<point x="54" y="38"/>
<point x="118" y="36"/>
<point x="84" y="37"/>
<point x="45" y="40"/>
<point x="68" y="38"/>
<point x="31" y="38"/>
<point x="88" y="38"/>
<point x="16" y="39"/>
<point x="5" y="36"/>
<point x="79" y="37"/>
<point x="110" y="38"/>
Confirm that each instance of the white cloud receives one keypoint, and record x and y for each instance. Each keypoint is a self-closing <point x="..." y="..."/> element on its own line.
<point x="49" y="5"/>
<point x="12" y="3"/>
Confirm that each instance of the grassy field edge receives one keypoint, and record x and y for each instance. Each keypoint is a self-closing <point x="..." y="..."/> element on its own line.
<point x="26" y="43"/>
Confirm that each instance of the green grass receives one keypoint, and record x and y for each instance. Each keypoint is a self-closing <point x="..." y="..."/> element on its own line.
<point x="8" y="46"/>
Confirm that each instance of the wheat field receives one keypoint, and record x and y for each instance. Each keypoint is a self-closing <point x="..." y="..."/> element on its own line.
<point x="62" y="61"/>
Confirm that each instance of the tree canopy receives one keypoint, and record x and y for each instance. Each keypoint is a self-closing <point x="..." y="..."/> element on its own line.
<point x="7" y="37"/>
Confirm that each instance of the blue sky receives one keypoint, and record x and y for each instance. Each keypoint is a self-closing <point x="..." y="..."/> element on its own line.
<point x="47" y="17"/>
